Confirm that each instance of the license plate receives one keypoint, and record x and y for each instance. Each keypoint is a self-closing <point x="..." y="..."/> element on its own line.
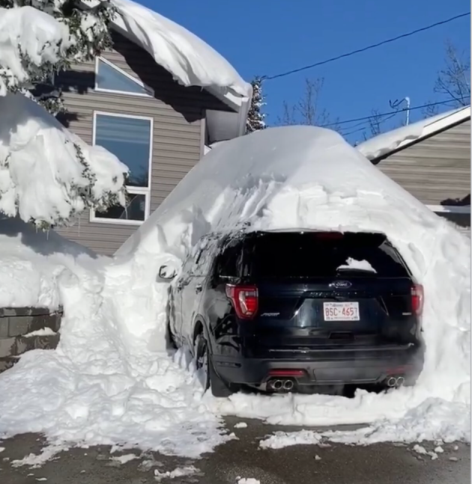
<point x="341" y="311"/>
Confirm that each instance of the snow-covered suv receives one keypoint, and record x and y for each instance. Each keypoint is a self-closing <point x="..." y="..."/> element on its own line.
<point x="290" y="311"/>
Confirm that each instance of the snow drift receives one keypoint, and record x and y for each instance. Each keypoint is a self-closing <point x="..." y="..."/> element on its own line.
<point x="32" y="263"/>
<point x="112" y="380"/>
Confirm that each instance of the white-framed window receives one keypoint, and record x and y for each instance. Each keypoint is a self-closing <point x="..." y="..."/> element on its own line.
<point x="110" y="78"/>
<point x="130" y="139"/>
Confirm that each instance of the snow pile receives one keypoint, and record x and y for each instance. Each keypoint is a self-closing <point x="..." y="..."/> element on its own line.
<point x="188" y="58"/>
<point x="112" y="381"/>
<point x="305" y="177"/>
<point x="41" y="176"/>
<point x="32" y="264"/>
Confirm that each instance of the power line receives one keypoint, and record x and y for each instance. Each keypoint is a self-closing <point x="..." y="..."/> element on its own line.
<point x="364" y="49"/>
<point x="366" y="118"/>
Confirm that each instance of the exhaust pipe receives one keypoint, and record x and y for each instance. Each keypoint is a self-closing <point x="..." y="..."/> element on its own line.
<point x="392" y="382"/>
<point x="276" y="384"/>
<point x="400" y="381"/>
<point x="288" y="385"/>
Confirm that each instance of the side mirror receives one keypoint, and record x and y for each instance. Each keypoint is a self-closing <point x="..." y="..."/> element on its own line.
<point x="167" y="273"/>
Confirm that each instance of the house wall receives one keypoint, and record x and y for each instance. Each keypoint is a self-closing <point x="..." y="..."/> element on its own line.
<point x="436" y="170"/>
<point x="178" y="115"/>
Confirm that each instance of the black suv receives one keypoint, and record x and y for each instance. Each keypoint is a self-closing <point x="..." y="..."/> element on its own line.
<point x="292" y="311"/>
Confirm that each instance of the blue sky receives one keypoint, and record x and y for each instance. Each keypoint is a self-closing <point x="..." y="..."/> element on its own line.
<point x="267" y="37"/>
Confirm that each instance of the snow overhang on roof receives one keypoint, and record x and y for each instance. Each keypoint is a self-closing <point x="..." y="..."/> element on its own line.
<point x="386" y="143"/>
<point x="191" y="61"/>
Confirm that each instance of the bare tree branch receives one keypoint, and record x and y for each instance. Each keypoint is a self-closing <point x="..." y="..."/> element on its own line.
<point x="307" y="110"/>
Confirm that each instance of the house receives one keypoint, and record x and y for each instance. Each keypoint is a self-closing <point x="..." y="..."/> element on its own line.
<point x="154" y="100"/>
<point x="431" y="160"/>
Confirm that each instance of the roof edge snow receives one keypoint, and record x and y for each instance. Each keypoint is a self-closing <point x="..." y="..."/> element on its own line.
<point x="387" y="143"/>
<point x="190" y="60"/>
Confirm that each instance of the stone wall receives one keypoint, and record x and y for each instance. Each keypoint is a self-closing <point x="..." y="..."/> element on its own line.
<point x="16" y="326"/>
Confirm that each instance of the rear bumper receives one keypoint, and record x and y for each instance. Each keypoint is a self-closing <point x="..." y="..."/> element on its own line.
<point x="323" y="368"/>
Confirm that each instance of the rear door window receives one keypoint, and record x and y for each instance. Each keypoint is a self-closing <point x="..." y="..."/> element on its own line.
<point x="229" y="259"/>
<point x="314" y="254"/>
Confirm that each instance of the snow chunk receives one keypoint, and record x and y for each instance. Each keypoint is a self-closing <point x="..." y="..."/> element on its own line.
<point x="287" y="439"/>
<point x="38" y="460"/>
<point x="241" y="425"/>
<point x="123" y="459"/>
<point x="248" y="480"/>
<point x="40" y="332"/>
<point x="362" y="265"/>
<point x="177" y="472"/>
<point x="40" y="174"/>
<point x="188" y="58"/>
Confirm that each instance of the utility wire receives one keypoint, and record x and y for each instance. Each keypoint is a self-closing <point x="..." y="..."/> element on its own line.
<point x="366" y="118"/>
<point x="364" y="49"/>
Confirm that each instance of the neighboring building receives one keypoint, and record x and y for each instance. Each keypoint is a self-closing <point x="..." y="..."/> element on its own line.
<point x="431" y="160"/>
<point x="157" y="125"/>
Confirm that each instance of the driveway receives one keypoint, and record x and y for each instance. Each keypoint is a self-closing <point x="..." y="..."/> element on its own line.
<point x="383" y="463"/>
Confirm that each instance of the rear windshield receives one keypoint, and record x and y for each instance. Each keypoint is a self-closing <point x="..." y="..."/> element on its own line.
<point x="324" y="255"/>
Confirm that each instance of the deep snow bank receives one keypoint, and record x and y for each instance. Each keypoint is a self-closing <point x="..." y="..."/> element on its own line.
<point x="111" y="379"/>
<point x="305" y="177"/>
<point x="32" y="262"/>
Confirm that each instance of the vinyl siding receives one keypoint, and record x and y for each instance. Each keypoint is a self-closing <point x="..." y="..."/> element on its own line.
<point x="178" y="128"/>
<point x="436" y="169"/>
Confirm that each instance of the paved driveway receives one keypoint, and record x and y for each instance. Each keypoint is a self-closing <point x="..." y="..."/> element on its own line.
<point x="386" y="464"/>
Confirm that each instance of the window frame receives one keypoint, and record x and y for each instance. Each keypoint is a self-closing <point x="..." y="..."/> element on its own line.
<point x="146" y="191"/>
<point x="121" y="71"/>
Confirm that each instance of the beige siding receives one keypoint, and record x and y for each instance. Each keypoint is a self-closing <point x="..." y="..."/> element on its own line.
<point x="178" y="127"/>
<point x="436" y="169"/>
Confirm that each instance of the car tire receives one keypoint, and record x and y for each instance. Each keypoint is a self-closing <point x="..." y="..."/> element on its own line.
<point x="219" y="388"/>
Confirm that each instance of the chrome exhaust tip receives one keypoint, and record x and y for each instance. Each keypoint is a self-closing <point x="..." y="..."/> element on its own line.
<point x="400" y="381"/>
<point x="392" y="382"/>
<point x="288" y="385"/>
<point x="276" y="384"/>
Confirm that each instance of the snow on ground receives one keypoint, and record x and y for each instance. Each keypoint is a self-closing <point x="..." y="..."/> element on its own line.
<point x="112" y="379"/>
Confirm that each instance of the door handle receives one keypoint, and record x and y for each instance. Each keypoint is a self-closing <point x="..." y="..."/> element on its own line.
<point x="198" y="288"/>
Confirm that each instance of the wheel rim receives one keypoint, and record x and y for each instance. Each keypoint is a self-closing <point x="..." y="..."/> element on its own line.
<point x="201" y="362"/>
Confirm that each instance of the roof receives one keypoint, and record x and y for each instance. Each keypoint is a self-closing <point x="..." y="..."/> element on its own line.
<point x="190" y="60"/>
<point x="385" y="144"/>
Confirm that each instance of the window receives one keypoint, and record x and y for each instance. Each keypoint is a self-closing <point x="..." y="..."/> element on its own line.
<point x="111" y="78"/>
<point x="129" y="138"/>
<point x="320" y="255"/>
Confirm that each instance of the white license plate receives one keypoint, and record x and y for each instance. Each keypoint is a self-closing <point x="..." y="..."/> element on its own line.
<point x="341" y="311"/>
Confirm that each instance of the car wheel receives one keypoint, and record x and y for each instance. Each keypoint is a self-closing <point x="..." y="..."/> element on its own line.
<point x="206" y="372"/>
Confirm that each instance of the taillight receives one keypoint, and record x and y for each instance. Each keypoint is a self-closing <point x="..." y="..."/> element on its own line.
<point x="417" y="299"/>
<point x="245" y="300"/>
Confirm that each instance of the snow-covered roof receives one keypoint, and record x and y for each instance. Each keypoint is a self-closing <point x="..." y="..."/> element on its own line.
<point x="190" y="60"/>
<point x="385" y="143"/>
